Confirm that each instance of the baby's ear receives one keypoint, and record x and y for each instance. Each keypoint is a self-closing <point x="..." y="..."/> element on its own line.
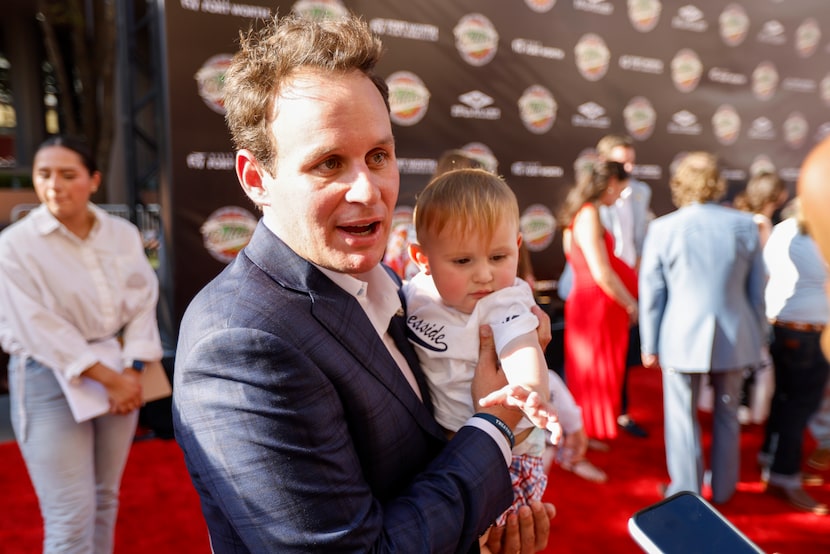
<point x="419" y="257"/>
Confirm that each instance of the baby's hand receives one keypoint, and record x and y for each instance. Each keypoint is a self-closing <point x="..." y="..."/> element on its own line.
<point x="541" y="414"/>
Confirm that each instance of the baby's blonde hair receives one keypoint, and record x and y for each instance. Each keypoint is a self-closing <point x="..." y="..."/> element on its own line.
<point x="466" y="202"/>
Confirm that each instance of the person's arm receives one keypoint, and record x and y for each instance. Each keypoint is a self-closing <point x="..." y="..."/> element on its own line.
<point x="524" y="364"/>
<point x="35" y="327"/>
<point x="123" y="389"/>
<point x="653" y="294"/>
<point x="588" y="233"/>
<point x="277" y="446"/>
<point x="755" y="288"/>
<point x="528" y="531"/>
<point x="140" y="337"/>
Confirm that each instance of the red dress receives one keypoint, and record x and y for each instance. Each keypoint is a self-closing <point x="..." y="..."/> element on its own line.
<point x="596" y="342"/>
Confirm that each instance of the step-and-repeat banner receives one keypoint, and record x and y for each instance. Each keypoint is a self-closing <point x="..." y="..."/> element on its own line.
<point x="528" y="87"/>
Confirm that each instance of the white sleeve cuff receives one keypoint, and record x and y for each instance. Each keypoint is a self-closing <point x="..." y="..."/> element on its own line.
<point x="497" y="436"/>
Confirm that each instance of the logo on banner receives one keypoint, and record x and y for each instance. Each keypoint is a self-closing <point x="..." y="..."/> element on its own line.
<point x="689" y="18"/>
<point x="644" y="14"/>
<point x="416" y="166"/>
<point x="408" y="98"/>
<point x="482" y="154"/>
<point x="537" y="109"/>
<point x="476" y="39"/>
<point x="772" y="32"/>
<point x="538" y="227"/>
<point x="641" y="64"/>
<point x="795" y="130"/>
<point x="529" y="47"/>
<point x="686" y="69"/>
<point x="807" y="37"/>
<point x="540" y="6"/>
<point x="727" y="77"/>
<point x="535" y="169"/>
<point x="640" y="118"/>
<point x="404" y="29"/>
<point x="726" y="124"/>
<point x="592" y="115"/>
<point x="684" y="122"/>
<point x="798" y="84"/>
<point x="320" y="9"/>
<point x="823" y="131"/>
<point x="475" y="105"/>
<point x="226" y="231"/>
<point x="210" y="81"/>
<point x="761" y="128"/>
<point x="592" y="57"/>
<point x="761" y="164"/>
<point x="764" y="80"/>
<point x="734" y="24"/>
<point x="599" y="7"/>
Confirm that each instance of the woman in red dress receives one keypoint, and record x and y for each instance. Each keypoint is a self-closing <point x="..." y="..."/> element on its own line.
<point x="602" y="303"/>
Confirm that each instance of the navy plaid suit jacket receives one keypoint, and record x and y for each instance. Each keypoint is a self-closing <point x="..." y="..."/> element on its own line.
<point x="301" y="434"/>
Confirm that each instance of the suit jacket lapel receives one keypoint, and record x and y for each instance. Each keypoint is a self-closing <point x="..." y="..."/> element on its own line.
<point x="345" y="320"/>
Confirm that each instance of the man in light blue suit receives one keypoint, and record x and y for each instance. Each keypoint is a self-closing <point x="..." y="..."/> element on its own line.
<point x="702" y="315"/>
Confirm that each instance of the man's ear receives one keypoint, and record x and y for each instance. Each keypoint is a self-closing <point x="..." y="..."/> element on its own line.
<point x="250" y="177"/>
<point x="419" y="257"/>
<point x="519" y="240"/>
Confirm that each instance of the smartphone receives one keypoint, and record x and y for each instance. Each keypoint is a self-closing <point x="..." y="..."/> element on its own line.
<point x="685" y="523"/>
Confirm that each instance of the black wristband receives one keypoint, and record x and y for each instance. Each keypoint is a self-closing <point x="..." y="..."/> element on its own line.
<point x="501" y="425"/>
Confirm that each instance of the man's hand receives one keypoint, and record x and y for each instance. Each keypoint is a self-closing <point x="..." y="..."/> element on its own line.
<point x="650" y="360"/>
<point x="524" y="533"/>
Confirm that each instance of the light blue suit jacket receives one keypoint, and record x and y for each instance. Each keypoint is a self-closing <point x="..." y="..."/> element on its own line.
<point x="701" y="285"/>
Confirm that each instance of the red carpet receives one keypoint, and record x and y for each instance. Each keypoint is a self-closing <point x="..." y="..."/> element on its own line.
<point x="593" y="518"/>
<point x="160" y="510"/>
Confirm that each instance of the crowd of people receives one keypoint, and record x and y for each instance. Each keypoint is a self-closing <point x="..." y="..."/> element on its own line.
<point x="326" y="400"/>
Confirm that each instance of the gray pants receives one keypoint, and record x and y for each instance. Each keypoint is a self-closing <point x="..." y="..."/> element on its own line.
<point x="684" y="450"/>
<point x="75" y="468"/>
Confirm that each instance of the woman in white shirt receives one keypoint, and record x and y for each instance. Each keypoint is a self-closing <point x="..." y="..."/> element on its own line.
<point x="78" y="303"/>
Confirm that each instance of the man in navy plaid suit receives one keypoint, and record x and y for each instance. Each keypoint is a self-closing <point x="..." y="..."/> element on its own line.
<point x="302" y="412"/>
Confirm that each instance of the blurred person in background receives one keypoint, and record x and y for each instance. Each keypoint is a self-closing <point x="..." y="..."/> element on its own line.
<point x="764" y="194"/>
<point x="702" y="314"/>
<point x="814" y="192"/>
<point x="627" y="219"/>
<point x="798" y="310"/>
<point x="78" y="298"/>
<point x="602" y="302"/>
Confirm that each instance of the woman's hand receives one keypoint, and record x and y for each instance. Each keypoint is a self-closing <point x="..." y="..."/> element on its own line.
<point x="125" y="392"/>
<point x="123" y="389"/>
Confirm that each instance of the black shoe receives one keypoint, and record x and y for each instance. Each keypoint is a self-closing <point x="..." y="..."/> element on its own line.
<point x="630" y="426"/>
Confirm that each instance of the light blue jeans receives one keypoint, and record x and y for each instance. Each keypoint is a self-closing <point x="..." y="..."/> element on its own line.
<point x="75" y="468"/>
